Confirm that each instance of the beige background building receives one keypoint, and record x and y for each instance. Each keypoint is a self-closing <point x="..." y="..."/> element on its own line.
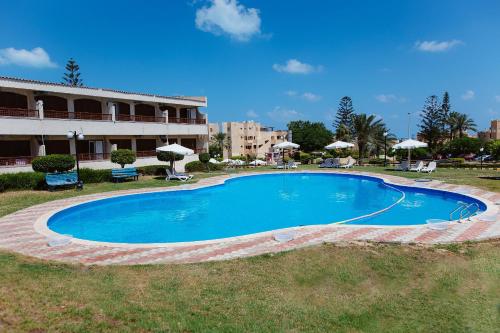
<point x="251" y="138"/>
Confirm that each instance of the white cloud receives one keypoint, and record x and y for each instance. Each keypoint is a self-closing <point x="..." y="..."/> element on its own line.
<point x="437" y="46"/>
<point x="389" y="98"/>
<point x="497" y="98"/>
<point x="468" y="95"/>
<point x="283" y="114"/>
<point x="252" y="114"/>
<point x="229" y="17"/>
<point x="37" y="57"/>
<point x="291" y="93"/>
<point x="311" y="97"/>
<point x="294" y="66"/>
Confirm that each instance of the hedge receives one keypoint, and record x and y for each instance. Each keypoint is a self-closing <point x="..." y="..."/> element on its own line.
<point x="90" y="176"/>
<point x="53" y="163"/>
<point x="22" y="181"/>
<point x="197" y="166"/>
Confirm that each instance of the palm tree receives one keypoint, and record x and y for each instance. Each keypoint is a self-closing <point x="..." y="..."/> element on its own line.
<point x="221" y="141"/>
<point x="368" y="132"/>
<point x="460" y="123"/>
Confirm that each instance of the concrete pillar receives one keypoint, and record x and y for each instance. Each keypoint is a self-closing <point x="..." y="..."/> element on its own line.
<point x="71" y="105"/>
<point x="133" y="142"/>
<point x="177" y="112"/>
<point x="72" y="147"/>
<point x="112" y="110"/>
<point x="39" y="107"/>
<point x="132" y="109"/>
<point x="114" y="147"/>
<point x="41" y="150"/>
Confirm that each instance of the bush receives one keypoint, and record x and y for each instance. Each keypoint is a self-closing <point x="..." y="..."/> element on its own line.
<point x="204" y="157"/>
<point x="377" y="161"/>
<point x="22" y="181"/>
<point x="462" y="146"/>
<point x="153" y="170"/>
<point x="53" y="163"/>
<point x="166" y="156"/>
<point x="89" y="176"/>
<point x="493" y="148"/>
<point x="198" y="166"/>
<point x="456" y="160"/>
<point x="123" y="156"/>
<point x="304" y="158"/>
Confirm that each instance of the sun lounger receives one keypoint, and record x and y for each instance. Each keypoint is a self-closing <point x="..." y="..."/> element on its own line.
<point x="430" y="168"/>
<point x="350" y="164"/>
<point x="328" y="163"/>
<point x="403" y="166"/>
<point x="418" y="166"/>
<point x="291" y="165"/>
<point x="182" y="174"/>
<point x="172" y="176"/>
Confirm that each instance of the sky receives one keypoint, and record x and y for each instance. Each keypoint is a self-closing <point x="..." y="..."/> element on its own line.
<point x="269" y="61"/>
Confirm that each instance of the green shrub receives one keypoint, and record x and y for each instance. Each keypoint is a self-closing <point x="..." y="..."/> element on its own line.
<point x="376" y="161"/>
<point x="198" y="166"/>
<point x="123" y="156"/>
<point x="167" y="156"/>
<point x="89" y="176"/>
<point x="22" y="181"/>
<point x="53" y="163"/>
<point x="457" y="160"/>
<point x="153" y="170"/>
<point x="204" y="157"/>
<point x="242" y="158"/>
<point x="462" y="146"/>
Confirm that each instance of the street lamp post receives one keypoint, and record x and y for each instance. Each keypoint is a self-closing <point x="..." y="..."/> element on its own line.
<point x="385" y="149"/>
<point x="481" y="150"/>
<point x="74" y="135"/>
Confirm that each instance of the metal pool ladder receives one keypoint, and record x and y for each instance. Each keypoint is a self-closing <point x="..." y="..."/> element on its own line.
<point x="465" y="210"/>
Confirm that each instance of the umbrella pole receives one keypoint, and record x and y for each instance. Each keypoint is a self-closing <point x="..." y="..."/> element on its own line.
<point x="409" y="159"/>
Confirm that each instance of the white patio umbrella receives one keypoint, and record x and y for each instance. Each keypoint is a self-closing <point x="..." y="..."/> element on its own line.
<point x="409" y="145"/>
<point x="257" y="162"/>
<point x="177" y="149"/>
<point x="286" y="145"/>
<point x="213" y="160"/>
<point x="339" y="145"/>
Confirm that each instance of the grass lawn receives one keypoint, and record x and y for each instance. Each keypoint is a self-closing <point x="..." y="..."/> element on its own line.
<point x="379" y="288"/>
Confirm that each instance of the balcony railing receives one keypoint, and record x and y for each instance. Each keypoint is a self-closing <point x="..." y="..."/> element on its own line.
<point x="94" y="156"/>
<point x="146" y="153"/>
<point x="76" y="115"/>
<point x="22" y="113"/>
<point x="140" y="118"/>
<point x="187" y="121"/>
<point x="16" y="161"/>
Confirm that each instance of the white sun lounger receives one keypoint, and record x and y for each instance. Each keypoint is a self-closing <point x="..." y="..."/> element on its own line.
<point x="403" y="166"/>
<point x="176" y="176"/>
<point x="431" y="167"/>
<point x="349" y="164"/>
<point x="418" y="166"/>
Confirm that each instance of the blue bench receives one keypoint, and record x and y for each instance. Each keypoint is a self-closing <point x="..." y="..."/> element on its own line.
<point x="124" y="173"/>
<point x="61" y="179"/>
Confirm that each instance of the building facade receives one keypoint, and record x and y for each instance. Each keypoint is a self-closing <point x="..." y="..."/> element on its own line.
<point x="251" y="138"/>
<point x="495" y="130"/>
<point x="35" y="117"/>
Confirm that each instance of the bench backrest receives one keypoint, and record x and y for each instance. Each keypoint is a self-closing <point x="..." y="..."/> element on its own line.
<point x="61" y="178"/>
<point x="124" y="171"/>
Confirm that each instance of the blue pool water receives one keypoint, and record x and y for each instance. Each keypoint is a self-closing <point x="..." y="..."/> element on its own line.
<point x="249" y="205"/>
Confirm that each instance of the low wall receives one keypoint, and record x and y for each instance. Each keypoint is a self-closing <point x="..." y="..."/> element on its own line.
<point x="179" y="165"/>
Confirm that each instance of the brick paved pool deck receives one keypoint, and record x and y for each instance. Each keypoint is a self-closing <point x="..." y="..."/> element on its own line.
<point x="25" y="231"/>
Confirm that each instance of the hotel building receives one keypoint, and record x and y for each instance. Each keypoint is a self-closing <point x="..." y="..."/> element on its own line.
<point x="251" y="138"/>
<point x="35" y="117"/>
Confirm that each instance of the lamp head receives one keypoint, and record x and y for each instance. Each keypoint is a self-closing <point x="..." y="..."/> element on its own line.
<point x="81" y="136"/>
<point x="70" y="135"/>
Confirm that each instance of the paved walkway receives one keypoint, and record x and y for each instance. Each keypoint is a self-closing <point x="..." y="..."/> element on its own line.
<point x="20" y="232"/>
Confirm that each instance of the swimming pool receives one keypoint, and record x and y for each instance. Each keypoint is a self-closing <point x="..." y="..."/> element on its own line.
<point x="252" y="204"/>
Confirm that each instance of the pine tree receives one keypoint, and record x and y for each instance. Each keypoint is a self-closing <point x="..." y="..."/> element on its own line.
<point x="432" y="122"/>
<point x="343" y="123"/>
<point x="445" y="115"/>
<point x="72" y="75"/>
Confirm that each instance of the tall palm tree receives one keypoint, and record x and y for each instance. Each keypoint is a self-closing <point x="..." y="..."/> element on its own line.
<point x="460" y="123"/>
<point x="221" y="140"/>
<point x="368" y="132"/>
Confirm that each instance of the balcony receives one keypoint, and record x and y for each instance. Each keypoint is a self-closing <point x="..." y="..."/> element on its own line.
<point x="18" y="113"/>
<point x="202" y="121"/>
<point x="16" y="161"/>
<point x="76" y="115"/>
<point x="140" y="118"/>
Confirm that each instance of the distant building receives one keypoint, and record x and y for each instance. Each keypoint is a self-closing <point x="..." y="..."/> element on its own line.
<point x="251" y="138"/>
<point x="495" y="130"/>
<point x="213" y="129"/>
